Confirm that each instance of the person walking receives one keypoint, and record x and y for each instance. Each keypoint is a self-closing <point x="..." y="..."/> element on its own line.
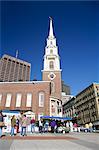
<point x="17" y="125"/>
<point x="40" y="126"/>
<point x="46" y="125"/>
<point x="23" y="125"/>
<point x="32" y="125"/>
<point x="90" y="127"/>
<point x="53" y="124"/>
<point x="13" y="125"/>
<point x="1" y="123"/>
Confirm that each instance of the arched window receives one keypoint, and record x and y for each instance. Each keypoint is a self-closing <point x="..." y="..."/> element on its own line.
<point x="41" y="99"/>
<point x="51" y="51"/>
<point x="51" y="42"/>
<point x="51" y="65"/>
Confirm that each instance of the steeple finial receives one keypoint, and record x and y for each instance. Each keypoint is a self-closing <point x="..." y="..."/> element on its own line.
<point x="51" y="35"/>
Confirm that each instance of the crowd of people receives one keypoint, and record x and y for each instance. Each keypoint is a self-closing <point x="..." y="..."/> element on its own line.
<point x="20" y="125"/>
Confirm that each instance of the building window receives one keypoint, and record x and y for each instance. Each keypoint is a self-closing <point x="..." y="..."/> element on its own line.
<point x="8" y="100"/>
<point x="0" y="98"/>
<point x="51" y="65"/>
<point x="51" y="51"/>
<point x="18" y="99"/>
<point x="29" y="100"/>
<point x="41" y="99"/>
<point x="51" y="42"/>
<point x="53" y="107"/>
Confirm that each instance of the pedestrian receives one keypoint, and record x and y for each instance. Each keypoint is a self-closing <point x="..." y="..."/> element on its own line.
<point x="53" y="125"/>
<point x="90" y="127"/>
<point x="71" y="126"/>
<point x="46" y="126"/>
<point x="13" y="125"/>
<point x="32" y="125"/>
<point x="24" y="123"/>
<point x="1" y="122"/>
<point x="17" y="125"/>
<point x="40" y="126"/>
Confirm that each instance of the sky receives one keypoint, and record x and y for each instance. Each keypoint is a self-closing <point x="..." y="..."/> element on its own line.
<point x="24" y="27"/>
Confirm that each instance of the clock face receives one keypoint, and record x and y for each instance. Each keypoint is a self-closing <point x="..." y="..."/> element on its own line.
<point x="51" y="76"/>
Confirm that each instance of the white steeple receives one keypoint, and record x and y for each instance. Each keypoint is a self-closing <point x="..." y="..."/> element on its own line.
<point x="51" y="34"/>
<point x="51" y="57"/>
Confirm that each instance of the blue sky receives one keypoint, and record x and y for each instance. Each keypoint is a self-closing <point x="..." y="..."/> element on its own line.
<point x="24" y="26"/>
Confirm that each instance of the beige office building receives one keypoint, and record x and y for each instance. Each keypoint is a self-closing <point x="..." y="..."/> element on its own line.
<point x="13" y="69"/>
<point x="87" y="105"/>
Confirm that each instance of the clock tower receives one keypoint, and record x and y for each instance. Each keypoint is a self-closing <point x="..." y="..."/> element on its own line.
<point x="51" y="69"/>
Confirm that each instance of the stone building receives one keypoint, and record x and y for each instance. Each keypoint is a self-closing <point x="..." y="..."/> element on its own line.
<point x="66" y="88"/>
<point x="87" y="105"/>
<point x="13" y="69"/>
<point x="69" y="108"/>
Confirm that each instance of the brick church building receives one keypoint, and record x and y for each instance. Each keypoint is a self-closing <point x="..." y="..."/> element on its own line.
<point x="40" y="97"/>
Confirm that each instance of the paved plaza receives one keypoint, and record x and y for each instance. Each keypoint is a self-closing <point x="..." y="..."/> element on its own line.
<point x="69" y="141"/>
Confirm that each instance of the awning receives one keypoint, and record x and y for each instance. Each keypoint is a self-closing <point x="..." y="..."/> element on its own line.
<point x="30" y="114"/>
<point x="54" y="117"/>
<point x="11" y="111"/>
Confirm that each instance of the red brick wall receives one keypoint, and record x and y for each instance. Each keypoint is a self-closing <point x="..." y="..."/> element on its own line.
<point x="25" y="88"/>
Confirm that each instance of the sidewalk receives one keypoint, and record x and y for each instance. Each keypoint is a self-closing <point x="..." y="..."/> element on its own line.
<point x="49" y="141"/>
<point x="40" y="136"/>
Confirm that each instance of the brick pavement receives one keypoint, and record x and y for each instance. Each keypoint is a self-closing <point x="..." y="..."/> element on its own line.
<point x="44" y="136"/>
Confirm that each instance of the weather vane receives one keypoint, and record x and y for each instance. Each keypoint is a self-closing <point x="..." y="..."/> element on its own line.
<point x="50" y="17"/>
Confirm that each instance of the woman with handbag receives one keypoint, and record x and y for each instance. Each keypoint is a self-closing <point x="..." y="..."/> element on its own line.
<point x="1" y="123"/>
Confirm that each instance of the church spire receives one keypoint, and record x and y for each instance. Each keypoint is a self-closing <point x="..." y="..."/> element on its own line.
<point x="51" y="57"/>
<point x="51" y="34"/>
